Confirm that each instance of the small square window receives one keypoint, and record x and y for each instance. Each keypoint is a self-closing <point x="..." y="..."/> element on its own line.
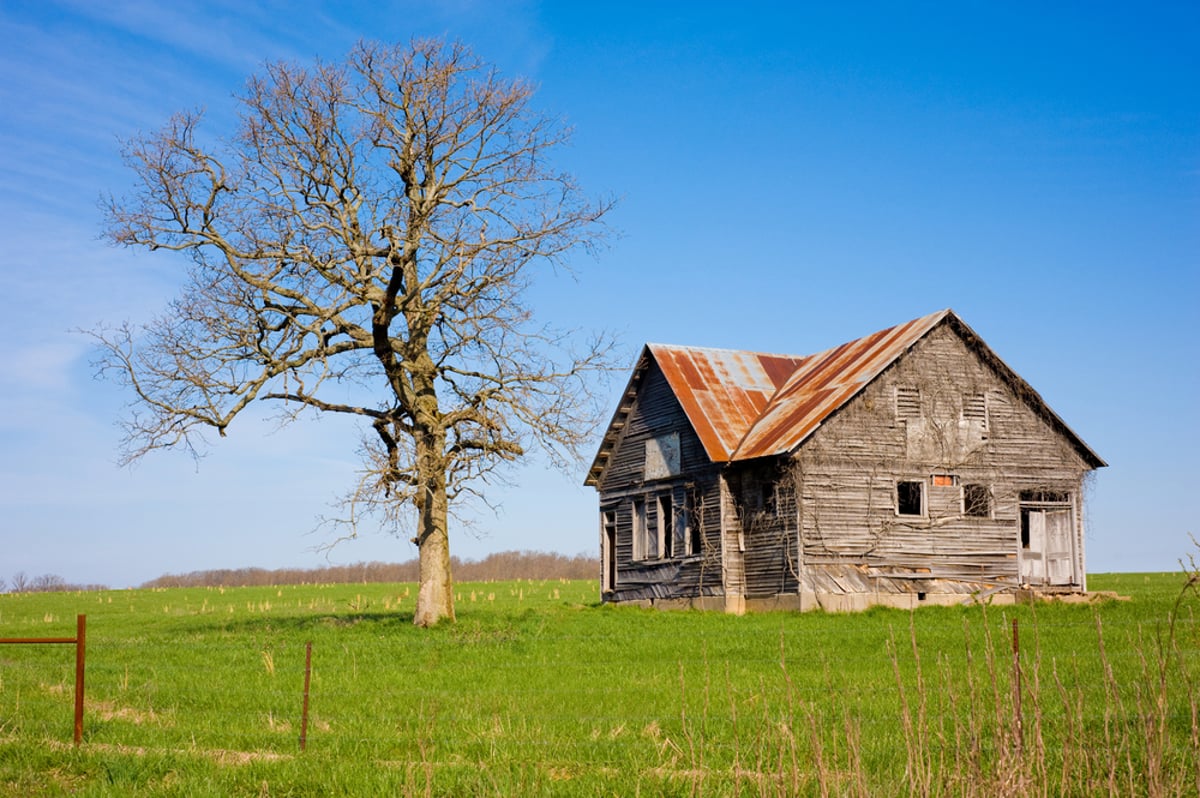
<point x="910" y="498"/>
<point x="977" y="501"/>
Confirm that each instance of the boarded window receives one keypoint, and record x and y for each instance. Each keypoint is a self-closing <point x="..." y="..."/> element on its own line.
<point x="977" y="501"/>
<point x="944" y="480"/>
<point x="908" y="403"/>
<point x="910" y="498"/>
<point x="662" y="456"/>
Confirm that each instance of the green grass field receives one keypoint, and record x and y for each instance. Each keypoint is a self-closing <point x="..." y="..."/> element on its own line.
<point x="537" y="690"/>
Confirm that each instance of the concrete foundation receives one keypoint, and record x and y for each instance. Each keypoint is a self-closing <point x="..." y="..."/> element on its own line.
<point x="839" y="602"/>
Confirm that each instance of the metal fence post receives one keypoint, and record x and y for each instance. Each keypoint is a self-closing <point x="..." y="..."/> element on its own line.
<point x="80" y="659"/>
<point x="304" y="712"/>
<point x="79" y="642"/>
<point x="1016" y="654"/>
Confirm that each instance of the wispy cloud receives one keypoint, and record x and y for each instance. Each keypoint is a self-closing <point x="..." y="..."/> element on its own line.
<point x="41" y="367"/>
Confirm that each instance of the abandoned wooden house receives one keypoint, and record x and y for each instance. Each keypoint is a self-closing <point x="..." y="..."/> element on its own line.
<point x="910" y="466"/>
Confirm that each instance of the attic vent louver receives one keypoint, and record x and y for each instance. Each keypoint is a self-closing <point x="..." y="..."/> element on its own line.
<point x="908" y="403"/>
<point x="975" y="407"/>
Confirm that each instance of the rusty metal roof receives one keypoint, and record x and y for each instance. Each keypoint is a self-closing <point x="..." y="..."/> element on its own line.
<point x="723" y="392"/>
<point x="824" y="382"/>
<point x="744" y="405"/>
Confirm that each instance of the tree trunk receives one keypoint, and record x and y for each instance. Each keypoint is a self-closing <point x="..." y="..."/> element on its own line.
<point x="435" y="591"/>
<point x="435" y="594"/>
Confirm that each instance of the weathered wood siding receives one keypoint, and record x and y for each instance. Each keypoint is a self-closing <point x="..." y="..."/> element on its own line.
<point x="694" y="491"/>
<point x="764" y="523"/>
<point x="853" y="538"/>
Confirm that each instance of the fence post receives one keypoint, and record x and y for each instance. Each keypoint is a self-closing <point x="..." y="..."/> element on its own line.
<point x="81" y="657"/>
<point x="304" y="712"/>
<point x="1016" y="653"/>
<point x="80" y="643"/>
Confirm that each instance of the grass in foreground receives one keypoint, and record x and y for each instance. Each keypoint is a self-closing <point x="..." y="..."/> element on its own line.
<point x="539" y="691"/>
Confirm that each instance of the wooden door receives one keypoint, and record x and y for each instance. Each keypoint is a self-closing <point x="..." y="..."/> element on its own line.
<point x="1057" y="555"/>
<point x="1046" y="555"/>
<point x="1033" y="543"/>
<point x="609" y="553"/>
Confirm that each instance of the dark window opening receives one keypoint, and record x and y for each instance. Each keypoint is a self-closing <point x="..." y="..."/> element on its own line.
<point x="785" y="503"/>
<point x="909" y="498"/>
<point x="977" y="501"/>
<point x="1024" y="528"/>
<point x="610" y="551"/>
<point x="695" y="541"/>
<point x="767" y="499"/>
<point x="642" y="547"/>
<point x="1051" y="496"/>
<point x="666" y="526"/>
<point x="920" y="596"/>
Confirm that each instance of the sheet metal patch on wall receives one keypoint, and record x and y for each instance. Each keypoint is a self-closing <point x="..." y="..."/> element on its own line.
<point x="662" y="456"/>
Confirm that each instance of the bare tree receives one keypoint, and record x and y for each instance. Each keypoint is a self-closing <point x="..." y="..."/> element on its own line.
<point x="362" y="246"/>
<point x="20" y="582"/>
<point x="48" y="583"/>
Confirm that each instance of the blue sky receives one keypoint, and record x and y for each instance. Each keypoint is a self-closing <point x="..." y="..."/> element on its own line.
<point x="791" y="176"/>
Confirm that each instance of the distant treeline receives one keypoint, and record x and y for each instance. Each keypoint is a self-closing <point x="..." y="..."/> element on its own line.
<point x="495" y="567"/>
<point x="46" y="583"/>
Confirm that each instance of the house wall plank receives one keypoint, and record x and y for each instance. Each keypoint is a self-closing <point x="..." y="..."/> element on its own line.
<point x="657" y="413"/>
<point x="846" y="473"/>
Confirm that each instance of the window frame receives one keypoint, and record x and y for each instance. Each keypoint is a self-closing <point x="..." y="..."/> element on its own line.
<point x="608" y="532"/>
<point x="640" y="527"/>
<point x="693" y="531"/>
<point x="665" y="525"/>
<point x="922" y="498"/>
<point x="988" y="503"/>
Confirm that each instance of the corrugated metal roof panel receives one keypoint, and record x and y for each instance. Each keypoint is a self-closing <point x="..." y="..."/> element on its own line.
<point x="722" y="391"/>
<point x="824" y="382"/>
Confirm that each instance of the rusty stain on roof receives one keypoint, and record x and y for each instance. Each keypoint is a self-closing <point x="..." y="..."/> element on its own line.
<point x="744" y="405"/>
<point x="747" y="404"/>
<point x="823" y="383"/>
<point x="722" y="391"/>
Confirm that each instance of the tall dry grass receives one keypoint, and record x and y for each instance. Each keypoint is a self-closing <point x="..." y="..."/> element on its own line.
<point x="1015" y="721"/>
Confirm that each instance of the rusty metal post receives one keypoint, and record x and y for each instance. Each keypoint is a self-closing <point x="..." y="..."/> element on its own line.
<point x="80" y="643"/>
<point x="80" y="658"/>
<point x="1016" y="653"/>
<point x="307" y="680"/>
